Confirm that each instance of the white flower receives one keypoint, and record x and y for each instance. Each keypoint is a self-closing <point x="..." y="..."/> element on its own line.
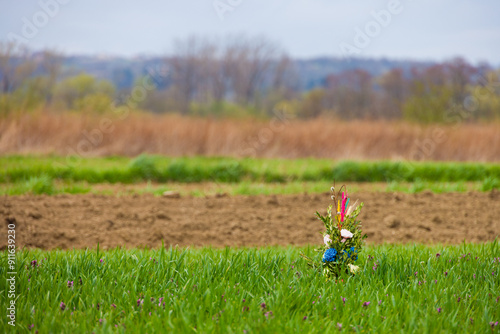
<point x="353" y="269"/>
<point x="327" y="239"/>
<point x="346" y="234"/>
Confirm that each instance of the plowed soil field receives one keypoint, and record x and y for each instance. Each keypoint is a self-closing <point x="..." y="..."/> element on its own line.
<point x="81" y="221"/>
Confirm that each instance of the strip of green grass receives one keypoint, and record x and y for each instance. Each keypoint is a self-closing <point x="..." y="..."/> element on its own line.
<point x="202" y="169"/>
<point x="409" y="289"/>
<point x="45" y="185"/>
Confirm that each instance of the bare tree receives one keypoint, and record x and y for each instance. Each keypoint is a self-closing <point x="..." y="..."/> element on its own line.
<point x="283" y="76"/>
<point x="185" y="70"/>
<point x="6" y="51"/>
<point x="460" y="76"/>
<point x="350" y="94"/>
<point x="51" y="64"/>
<point x="241" y="69"/>
<point x="394" y="93"/>
<point x="248" y="61"/>
<point x="15" y="65"/>
<point x="217" y="77"/>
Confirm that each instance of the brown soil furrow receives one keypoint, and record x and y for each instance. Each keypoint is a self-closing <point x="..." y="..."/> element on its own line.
<point x="81" y="221"/>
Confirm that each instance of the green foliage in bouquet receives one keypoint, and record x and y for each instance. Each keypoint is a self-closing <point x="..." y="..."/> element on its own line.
<point x="343" y="238"/>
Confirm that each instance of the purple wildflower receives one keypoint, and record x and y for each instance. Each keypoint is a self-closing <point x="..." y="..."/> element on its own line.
<point x="70" y="284"/>
<point x="113" y="305"/>
<point x="267" y="314"/>
<point x="445" y="273"/>
<point x="34" y="263"/>
<point x="160" y="300"/>
<point x="139" y="302"/>
<point x="339" y="326"/>
<point x="100" y="320"/>
<point x="439" y="309"/>
<point x="379" y="302"/>
<point x="263" y="305"/>
<point x="458" y="300"/>
<point x="365" y="304"/>
<point x="62" y="306"/>
<point x="304" y="318"/>
<point x="438" y="255"/>
<point x="101" y="260"/>
<point x="493" y="324"/>
<point x="343" y="300"/>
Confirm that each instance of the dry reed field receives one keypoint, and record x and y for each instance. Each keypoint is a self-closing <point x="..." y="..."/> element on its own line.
<point x="281" y="137"/>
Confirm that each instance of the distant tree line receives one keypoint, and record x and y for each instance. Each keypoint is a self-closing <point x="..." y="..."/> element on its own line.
<point x="250" y="76"/>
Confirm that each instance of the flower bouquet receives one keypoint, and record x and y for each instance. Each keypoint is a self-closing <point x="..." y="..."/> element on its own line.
<point x="343" y="237"/>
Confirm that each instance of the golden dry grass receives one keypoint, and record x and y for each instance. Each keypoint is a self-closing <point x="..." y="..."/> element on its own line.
<point x="62" y="134"/>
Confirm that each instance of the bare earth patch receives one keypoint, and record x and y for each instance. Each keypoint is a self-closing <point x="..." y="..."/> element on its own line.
<point x="81" y="221"/>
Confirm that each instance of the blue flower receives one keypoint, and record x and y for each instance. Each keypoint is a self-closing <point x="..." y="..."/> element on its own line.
<point x="330" y="255"/>
<point x="355" y="253"/>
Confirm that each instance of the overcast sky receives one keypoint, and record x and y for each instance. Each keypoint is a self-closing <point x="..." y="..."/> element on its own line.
<point x="420" y="30"/>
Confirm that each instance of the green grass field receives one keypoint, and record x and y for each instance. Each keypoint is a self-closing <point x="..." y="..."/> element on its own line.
<point x="402" y="288"/>
<point x="407" y="289"/>
<point x="49" y="175"/>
